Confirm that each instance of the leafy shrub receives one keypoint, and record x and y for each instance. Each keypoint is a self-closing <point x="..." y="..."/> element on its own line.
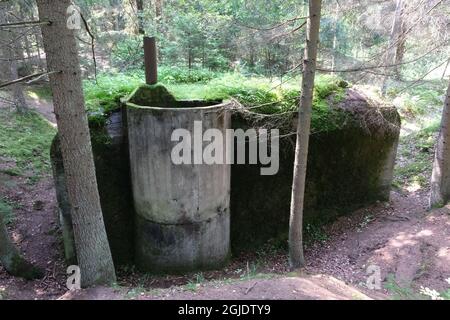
<point x="103" y="96"/>
<point x="182" y="75"/>
<point x="128" y="53"/>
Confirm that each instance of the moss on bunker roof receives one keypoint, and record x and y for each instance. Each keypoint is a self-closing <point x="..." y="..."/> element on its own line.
<point x="155" y="95"/>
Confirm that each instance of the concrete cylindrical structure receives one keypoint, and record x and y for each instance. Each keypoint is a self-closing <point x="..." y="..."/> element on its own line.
<point x="183" y="218"/>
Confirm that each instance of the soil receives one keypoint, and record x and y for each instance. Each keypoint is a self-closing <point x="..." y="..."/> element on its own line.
<point x="409" y="244"/>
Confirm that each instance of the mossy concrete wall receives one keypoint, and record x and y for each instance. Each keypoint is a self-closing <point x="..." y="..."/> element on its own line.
<point x="350" y="164"/>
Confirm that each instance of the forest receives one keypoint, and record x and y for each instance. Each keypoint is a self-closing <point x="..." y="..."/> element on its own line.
<point x="224" y="150"/>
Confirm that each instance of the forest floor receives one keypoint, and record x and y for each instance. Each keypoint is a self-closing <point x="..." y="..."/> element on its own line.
<point x="409" y="244"/>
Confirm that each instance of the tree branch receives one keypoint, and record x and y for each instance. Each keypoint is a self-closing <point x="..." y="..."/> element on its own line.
<point x="31" y="76"/>
<point x="24" y="24"/>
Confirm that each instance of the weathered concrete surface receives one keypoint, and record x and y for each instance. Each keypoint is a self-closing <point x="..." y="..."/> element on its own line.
<point x="182" y="209"/>
<point x="176" y="248"/>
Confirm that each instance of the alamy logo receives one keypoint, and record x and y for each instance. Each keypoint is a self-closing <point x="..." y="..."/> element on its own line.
<point x="373" y="281"/>
<point x="220" y="149"/>
<point x="73" y="17"/>
<point x="74" y="278"/>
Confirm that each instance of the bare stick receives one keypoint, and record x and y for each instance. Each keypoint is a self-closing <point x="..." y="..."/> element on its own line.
<point x="31" y="76"/>
<point x="86" y="26"/>
<point x="24" y="24"/>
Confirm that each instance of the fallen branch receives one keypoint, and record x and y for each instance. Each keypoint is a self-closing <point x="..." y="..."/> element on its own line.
<point x="24" y="24"/>
<point x="31" y="76"/>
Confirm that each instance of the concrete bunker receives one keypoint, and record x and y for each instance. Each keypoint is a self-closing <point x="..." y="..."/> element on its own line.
<point x="182" y="210"/>
<point x="352" y="152"/>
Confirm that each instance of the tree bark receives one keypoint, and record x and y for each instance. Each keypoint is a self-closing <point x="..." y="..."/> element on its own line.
<point x="93" y="252"/>
<point x="140" y="12"/>
<point x="396" y="43"/>
<point x="297" y="259"/>
<point x="159" y="20"/>
<point x="335" y="31"/>
<point x="9" y="51"/>
<point x="440" y="177"/>
<point x="11" y="259"/>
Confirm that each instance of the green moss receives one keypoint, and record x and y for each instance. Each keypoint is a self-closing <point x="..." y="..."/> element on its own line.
<point x="26" y="139"/>
<point x="259" y="94"/>
<point x="6" y="211"/>
<point x="22" y="268"/>
<point x="153" y="95"/>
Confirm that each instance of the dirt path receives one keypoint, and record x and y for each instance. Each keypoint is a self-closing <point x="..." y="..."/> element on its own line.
<point x="44" y="107"/>
<point x="410" y="245"/>
<point x="35" y="232"/>
<point x="302" y="287"/>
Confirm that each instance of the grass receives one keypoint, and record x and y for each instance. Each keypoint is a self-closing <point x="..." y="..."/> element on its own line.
<point x="314" y="232"/>
<point x="418" y="101"/>
<point x="39" y="92"/>
<point x="6" y="210"/>
<point x="26" y="139"/>
<point x="195" y="283"/>
<point x="421" y="108"/>
<point x="415" y="156"/>
<point x="258" y="93"/>
<point x="261" y="94"/>
<point x="399" y="292"/>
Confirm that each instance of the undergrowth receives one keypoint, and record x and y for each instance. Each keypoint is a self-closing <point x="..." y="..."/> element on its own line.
<point x="26" y="139"/>
<point x="257" y="93"/>
<point x="6" y="210"/>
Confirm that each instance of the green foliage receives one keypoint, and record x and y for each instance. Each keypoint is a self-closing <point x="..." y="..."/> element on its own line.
<point x="314" y="232"/>
<point x="257" y="93"/>
<point x="398" y="292"/>
<point x="174" y="74"/>
<point x="416" y="156"/>
<point x="127" y="54"/>
<point x="419" y="100"/>
<point x="26" y="139"/>
<point x="408" y="293"/>
<point x="103" y="96"/>
<point x="40" y="92"/>
<point x="6" y="210"/>
<point x="334" y="34"/>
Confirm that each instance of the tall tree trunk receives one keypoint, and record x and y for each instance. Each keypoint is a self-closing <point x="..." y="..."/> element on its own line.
<point x="9" y="51"/>
<point x="159" y="15"/>
<point x="395" y="39"/>
<point x="11" y="259"/>
<point x="19" y="98"/>
<point x="93" y="252"/>
<point x="440" y="178"/>
<point x="140" y="17"/>
<point x="297" y="259"/>
<point x="335" y="31"/>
